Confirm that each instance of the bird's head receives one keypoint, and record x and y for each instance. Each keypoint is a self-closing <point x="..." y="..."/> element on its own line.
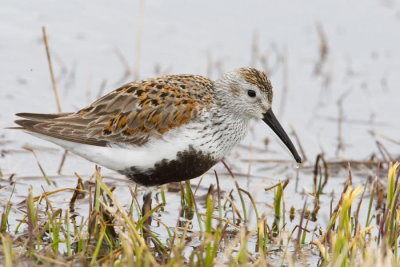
<point x="247" y="92"/>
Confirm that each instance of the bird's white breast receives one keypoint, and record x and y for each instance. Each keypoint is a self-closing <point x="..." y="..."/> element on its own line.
<point x="215" y="140"/>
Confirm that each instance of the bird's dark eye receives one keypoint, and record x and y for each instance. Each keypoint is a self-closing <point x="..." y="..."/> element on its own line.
<point x="251" y="93"/>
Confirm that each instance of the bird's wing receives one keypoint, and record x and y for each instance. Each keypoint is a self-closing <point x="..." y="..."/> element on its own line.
<point x="130" y="114"/>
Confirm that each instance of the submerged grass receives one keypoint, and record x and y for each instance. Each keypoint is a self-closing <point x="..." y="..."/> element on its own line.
<point x="114" y="235"/>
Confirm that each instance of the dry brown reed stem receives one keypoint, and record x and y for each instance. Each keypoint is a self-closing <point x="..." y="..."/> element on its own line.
<point x="55" y="89"/>
<point x="235" y="210"/>
<point x="76" y="194"/>
<point x="339" y="103"/>
<point x="323" y="50"/>
<point x="53" y="79"/>
<point x="60" y="167"/>
<point x="284" y="184"/>
<point x="318" y="170"/>
<point x="301" y="224"/>
<point x="39" y="165"/>
<point x="46" y="194"/>
<point x="384" y="152"/>
<point x="385" y="137"/>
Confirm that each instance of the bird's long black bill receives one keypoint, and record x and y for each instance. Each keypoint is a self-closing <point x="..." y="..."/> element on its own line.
<point x="271" y="120"/>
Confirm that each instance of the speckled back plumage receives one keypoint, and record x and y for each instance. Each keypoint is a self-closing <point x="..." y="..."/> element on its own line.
<point x="132" y="113"/>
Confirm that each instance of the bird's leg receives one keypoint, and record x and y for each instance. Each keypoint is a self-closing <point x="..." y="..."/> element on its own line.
<point x="147" y="207"/>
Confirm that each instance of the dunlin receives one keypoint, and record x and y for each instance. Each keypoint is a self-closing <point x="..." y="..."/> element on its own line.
<point x="165" y="129"/>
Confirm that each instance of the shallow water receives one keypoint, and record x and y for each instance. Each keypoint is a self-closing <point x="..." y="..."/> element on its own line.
<point x="357" y="80"/>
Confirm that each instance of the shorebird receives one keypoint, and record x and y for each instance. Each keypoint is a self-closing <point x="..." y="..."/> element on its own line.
<point x="165" y="129"/>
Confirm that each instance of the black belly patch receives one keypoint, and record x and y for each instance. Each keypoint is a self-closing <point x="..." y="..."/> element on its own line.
<point x="187" y="165"/>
